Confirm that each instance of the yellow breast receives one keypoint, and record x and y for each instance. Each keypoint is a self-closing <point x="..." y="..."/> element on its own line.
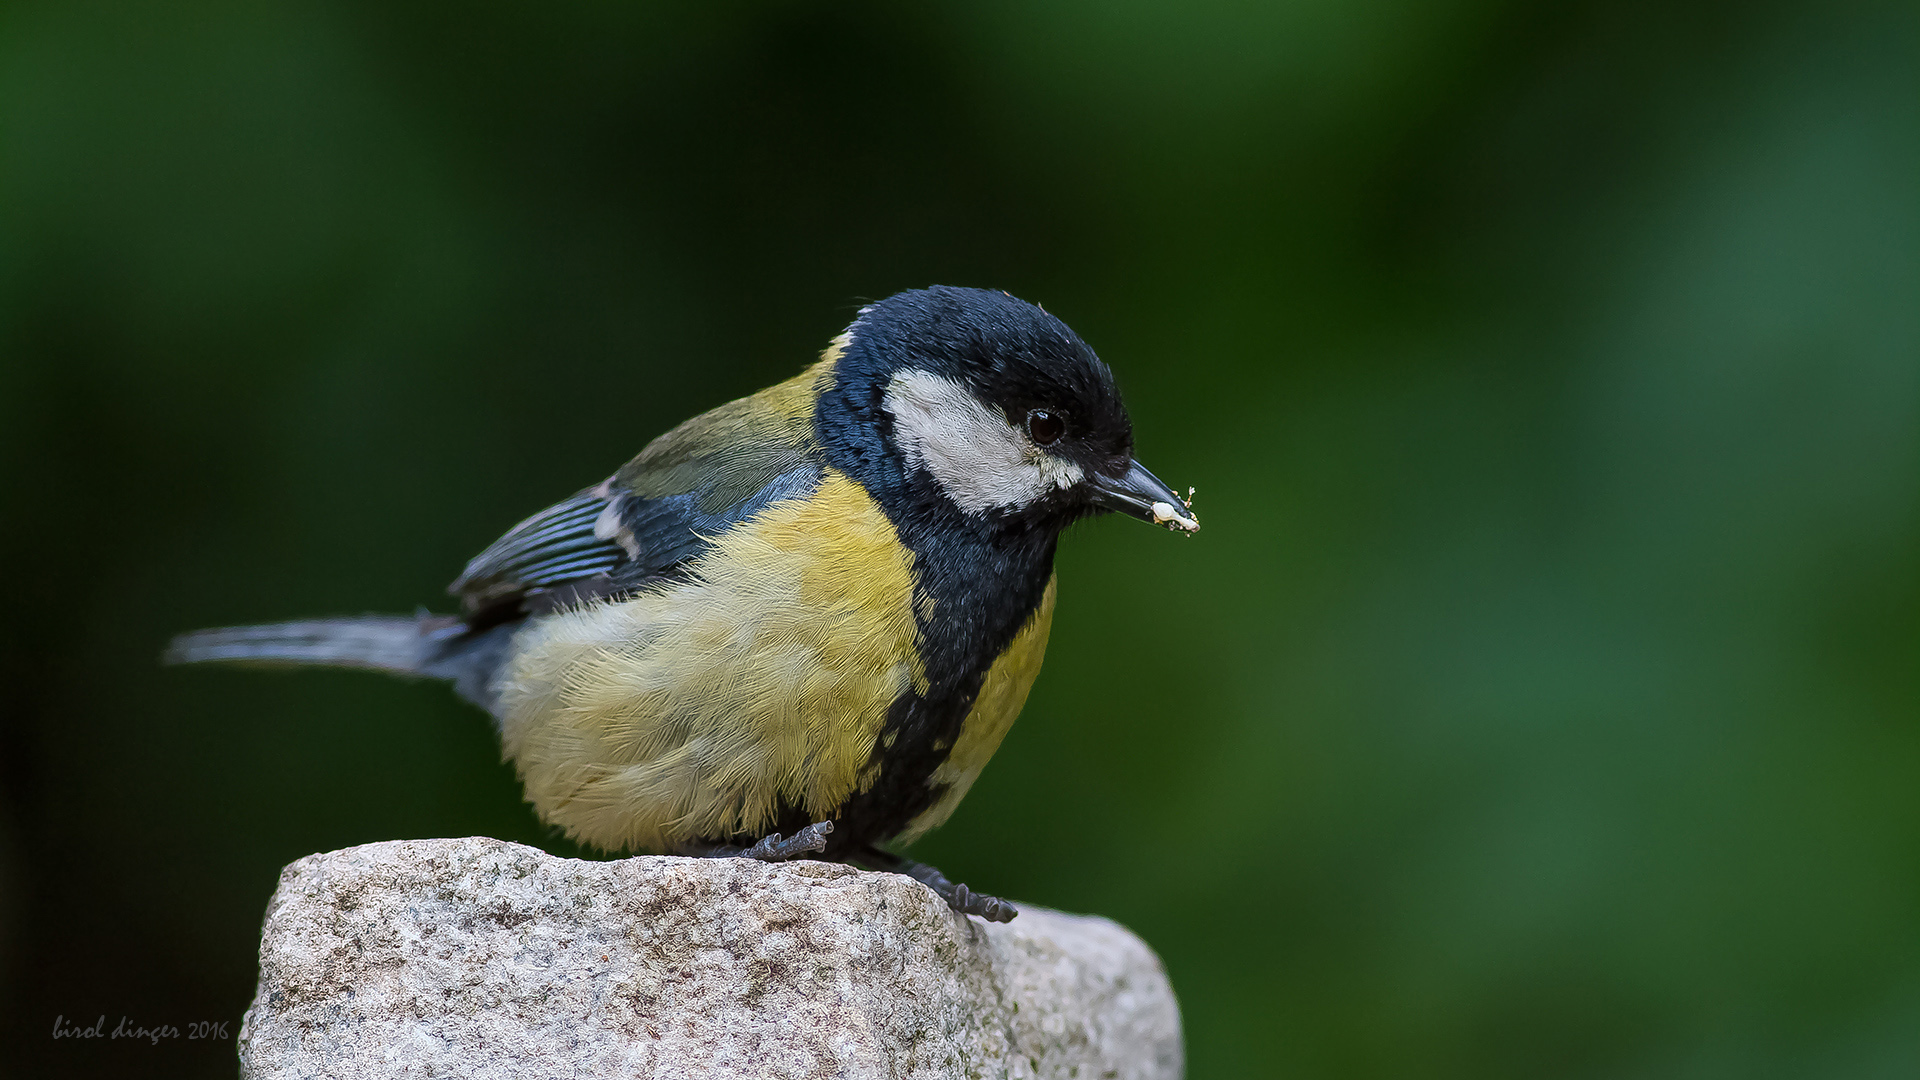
<point x="690" y="712"/>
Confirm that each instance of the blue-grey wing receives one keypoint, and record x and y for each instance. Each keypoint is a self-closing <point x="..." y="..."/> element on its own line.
<point x="608" y="540"/>
<point x="660" y="511"/>
<point x="552" y="548"/>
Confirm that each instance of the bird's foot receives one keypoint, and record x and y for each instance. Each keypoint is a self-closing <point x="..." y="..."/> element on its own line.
<point x="771" y="848"/>
<point x="990" y="908"/>
<point x="959" y="897"/>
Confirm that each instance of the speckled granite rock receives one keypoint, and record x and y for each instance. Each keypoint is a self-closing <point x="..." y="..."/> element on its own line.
<point x="480" y="958"/>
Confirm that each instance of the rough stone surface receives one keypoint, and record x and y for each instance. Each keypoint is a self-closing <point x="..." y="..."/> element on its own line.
<point x="480" y="958"/>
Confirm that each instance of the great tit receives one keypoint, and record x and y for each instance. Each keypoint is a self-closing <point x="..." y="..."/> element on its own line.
<point x="799" y="623"/>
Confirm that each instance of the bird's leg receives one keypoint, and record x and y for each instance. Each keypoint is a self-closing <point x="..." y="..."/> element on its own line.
<point x="958" y="897"/>
<point x="769" y="848"/>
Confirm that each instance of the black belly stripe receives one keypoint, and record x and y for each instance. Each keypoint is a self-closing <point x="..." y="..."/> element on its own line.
<point x="979" y="588"/>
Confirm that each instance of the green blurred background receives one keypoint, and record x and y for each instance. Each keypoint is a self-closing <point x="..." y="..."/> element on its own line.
<point x="1540" y="699"/>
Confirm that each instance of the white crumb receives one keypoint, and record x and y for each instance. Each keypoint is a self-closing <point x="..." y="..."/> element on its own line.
<point x="1164" y="513"/>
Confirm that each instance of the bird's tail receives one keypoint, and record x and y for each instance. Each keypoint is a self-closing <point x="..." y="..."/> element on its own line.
<point x="391" y="643"/>
<point x="426" y="646"/>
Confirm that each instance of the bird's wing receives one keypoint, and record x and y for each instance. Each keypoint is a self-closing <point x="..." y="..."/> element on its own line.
<point x="553" y="548"/>
<point x="660" y="510"/>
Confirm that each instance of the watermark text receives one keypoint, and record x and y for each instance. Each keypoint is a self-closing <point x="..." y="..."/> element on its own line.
<point x="64" y="1028"/>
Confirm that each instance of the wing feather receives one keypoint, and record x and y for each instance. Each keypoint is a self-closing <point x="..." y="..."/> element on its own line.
<point x="553" y="546"/>
<point x="660" y="510"/>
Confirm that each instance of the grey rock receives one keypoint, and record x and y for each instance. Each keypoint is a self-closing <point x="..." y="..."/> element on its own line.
<point x="480" y="958"/>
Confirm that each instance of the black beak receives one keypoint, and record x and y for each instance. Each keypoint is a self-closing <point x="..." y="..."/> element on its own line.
<point x="1139" y="493"/>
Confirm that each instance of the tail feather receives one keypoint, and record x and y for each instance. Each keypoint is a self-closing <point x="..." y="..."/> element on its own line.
<point x="427" y="646"/>
<point x="391" y="643"/>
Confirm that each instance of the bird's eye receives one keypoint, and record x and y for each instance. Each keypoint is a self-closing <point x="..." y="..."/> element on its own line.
<point x="1045" y="427"/>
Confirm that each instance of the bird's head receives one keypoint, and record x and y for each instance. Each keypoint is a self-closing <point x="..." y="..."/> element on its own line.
<point x="996" y="407"/>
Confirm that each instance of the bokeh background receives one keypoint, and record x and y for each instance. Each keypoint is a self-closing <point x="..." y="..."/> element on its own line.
<point x="1540" y="699"/>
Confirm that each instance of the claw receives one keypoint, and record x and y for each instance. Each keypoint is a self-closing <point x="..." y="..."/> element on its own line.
<point x="990" y="908"/>
<point x="958" y="897"/>
<point x="771" y="848"/>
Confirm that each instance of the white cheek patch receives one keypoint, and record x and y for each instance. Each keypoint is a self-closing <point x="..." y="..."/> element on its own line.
<point x="979" y="460"/>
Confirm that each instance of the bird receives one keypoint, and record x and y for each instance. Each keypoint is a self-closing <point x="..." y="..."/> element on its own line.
<point x="796" y="625"/>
